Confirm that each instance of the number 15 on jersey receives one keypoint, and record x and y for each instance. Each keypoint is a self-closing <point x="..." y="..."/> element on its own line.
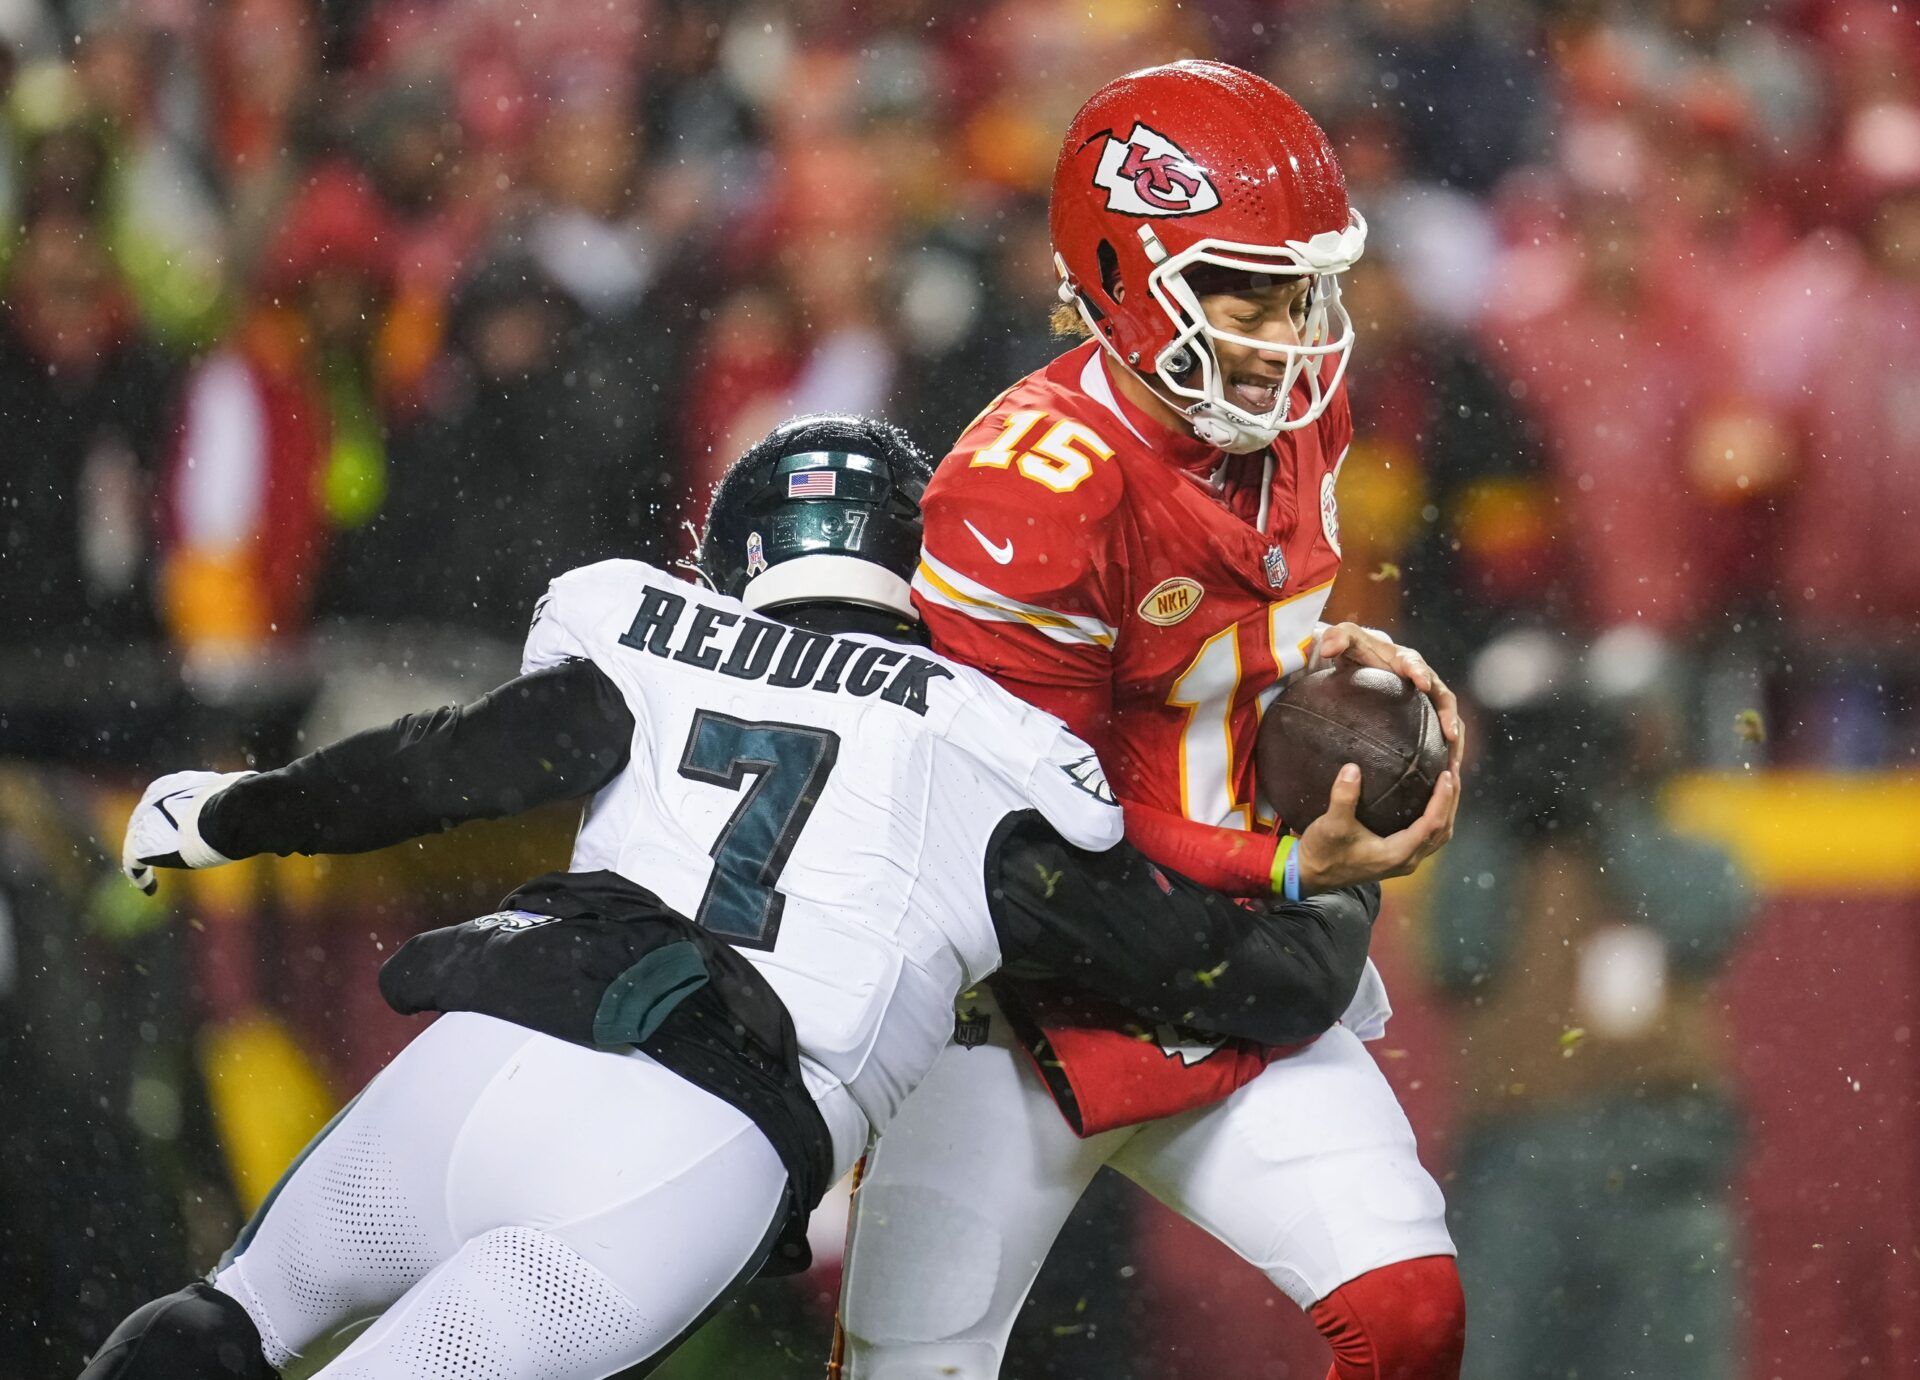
<point x="1224" y="690"/>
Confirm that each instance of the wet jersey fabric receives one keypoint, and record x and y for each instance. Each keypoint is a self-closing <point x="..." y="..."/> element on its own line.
<point x="1152" y="592"/>
<point x="780" y="792"/>
<point x="1072" y="542"/>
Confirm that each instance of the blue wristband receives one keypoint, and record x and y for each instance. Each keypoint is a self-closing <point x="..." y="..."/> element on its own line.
<point x="1292" y="874"/>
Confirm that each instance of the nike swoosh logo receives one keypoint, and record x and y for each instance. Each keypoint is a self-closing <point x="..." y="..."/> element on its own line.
<point x="161" y="806"/>
<point x="1001" y="554"/>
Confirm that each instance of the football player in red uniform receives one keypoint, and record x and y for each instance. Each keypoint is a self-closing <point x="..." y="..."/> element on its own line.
<point x="1140" y="537"/>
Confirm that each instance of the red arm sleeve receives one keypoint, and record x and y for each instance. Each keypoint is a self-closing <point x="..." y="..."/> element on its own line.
<point x="1230" y="860"/>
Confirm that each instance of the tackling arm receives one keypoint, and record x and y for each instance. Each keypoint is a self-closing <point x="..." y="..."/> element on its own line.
<point x="555" y="734"/>
<point x="1171" y="949"/>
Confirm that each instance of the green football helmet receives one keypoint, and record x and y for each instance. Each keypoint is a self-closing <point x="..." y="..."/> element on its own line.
<point x="824" y="510"/>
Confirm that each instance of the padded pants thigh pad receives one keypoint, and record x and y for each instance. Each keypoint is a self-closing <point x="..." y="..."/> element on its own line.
<point x="947" y="1261"/>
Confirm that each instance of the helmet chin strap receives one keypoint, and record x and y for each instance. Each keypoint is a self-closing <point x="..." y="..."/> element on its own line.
<point x="1211" y="423"/>
<point x="1228" y="433"/>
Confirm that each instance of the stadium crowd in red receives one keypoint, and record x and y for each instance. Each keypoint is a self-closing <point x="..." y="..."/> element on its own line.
<point x="391" y="309"/>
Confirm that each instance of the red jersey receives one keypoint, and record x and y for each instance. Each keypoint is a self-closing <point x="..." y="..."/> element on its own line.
<point x="1151" y="591"/>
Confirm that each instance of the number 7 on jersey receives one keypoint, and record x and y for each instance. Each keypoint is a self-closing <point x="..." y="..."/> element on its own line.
<point x="790" y="765"/>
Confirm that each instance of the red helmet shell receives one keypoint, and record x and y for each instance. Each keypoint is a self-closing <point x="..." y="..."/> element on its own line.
<point x="1196" y="151"/>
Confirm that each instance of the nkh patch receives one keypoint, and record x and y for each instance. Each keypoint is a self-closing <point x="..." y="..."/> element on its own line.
<point x="811" y="484"/>
<point x="1171" y="600"/>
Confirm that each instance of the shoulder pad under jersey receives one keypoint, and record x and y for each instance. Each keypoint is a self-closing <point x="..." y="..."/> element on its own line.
<point x="565" y="616"/>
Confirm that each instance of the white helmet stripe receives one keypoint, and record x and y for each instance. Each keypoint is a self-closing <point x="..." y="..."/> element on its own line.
<point x="827" y="577"/>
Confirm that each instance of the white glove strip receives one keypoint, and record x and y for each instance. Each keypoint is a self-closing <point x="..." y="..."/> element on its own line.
<point x="194" y="850"/>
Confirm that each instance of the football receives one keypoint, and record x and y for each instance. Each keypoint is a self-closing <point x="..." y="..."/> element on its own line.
<point x="1346" y="713"/>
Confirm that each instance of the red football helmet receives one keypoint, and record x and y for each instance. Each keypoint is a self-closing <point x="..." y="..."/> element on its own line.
<point x="1202" y="163"/>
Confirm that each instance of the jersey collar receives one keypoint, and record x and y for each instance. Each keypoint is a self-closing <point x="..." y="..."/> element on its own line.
<point x="1182" y="449"/>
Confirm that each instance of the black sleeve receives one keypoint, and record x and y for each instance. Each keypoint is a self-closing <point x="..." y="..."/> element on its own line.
<point x="1169" y="948"/>
<point x="557" y="734"/>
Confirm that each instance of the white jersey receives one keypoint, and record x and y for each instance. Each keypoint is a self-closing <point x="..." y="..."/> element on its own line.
<point x="824" y="802"/>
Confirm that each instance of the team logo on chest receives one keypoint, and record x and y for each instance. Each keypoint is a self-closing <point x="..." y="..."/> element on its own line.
<point x="1171" y="600"/>
<point x="1329" y="514"/>
<point x="1147" y="174"/>
<point x="1275" y="562"/>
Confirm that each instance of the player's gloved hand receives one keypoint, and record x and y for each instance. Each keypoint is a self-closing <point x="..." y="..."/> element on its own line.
<point x="1371" y="647"/>
<point x="1338" y="850"/>
<point x="164" y="829"/>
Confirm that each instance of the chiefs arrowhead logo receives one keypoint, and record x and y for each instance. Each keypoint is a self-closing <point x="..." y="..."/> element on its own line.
<point x="1147" y="174"/>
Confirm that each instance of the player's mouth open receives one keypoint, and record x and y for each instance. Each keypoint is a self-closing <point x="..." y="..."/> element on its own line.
<point x="1258" y="396"/>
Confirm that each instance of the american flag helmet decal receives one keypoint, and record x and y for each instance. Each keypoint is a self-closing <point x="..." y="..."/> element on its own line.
<point x="811" y="484"/>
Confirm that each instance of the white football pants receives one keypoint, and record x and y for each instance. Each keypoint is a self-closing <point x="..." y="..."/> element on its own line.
<point x="1309" y="1172"/>
<point x="510" y="1205"/>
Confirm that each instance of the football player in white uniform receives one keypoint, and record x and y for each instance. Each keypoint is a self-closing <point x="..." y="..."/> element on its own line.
<point x="804" y="837"/>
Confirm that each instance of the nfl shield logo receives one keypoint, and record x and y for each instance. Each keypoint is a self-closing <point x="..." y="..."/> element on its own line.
<point x="756" y="555"/>
<point x="970" y="1028"/>
<point x="1276" y="563"/>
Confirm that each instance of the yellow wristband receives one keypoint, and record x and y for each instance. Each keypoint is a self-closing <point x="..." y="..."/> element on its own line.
<point x="1288" y="842"/>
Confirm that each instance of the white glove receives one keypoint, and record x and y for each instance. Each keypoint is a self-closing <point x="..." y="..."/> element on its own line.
<point x="164" y="830"/>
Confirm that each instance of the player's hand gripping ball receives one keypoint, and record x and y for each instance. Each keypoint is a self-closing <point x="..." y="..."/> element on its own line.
<point x="1346" y="713"/>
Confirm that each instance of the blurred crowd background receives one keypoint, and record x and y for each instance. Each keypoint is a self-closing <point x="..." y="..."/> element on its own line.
<point x="331" y="329"/>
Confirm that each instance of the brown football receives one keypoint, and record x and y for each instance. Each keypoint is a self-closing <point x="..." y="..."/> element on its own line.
<point x="1345" y="713"/>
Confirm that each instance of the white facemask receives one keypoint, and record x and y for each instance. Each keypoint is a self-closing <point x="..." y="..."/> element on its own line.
<point x="1327" y="338"/>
